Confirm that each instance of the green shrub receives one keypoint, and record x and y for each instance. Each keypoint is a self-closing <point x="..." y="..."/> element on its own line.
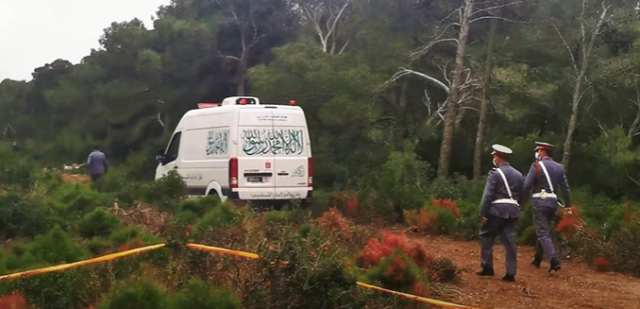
<point x="166" y="192"/>
<point x="469" y="223"/>
<point x="200" y="206"/>
<point x="98" y="246"/>
<point x="58" y="290"/>
<point x="445" y="222"/>
<point x="99" y="222"/>
<point x="136" y="295"/>
<point x="73" y="201"/>
<point x="56" y="247"/>
<point x="200" y="295"/>
<point x="125" y="235"/>
<point x="23" y="216"/>
<point x="276" y="217"/>
<point x="399" y="182"/>
<point x="220" y="217"/>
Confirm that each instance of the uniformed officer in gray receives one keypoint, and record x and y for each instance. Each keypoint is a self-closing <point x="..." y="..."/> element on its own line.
<point x="500" y="211"/>
<point x="544" y="176"/>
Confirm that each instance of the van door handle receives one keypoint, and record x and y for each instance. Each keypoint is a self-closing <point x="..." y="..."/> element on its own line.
<point x="283" y="174"/>
<point x="175" y="167"/>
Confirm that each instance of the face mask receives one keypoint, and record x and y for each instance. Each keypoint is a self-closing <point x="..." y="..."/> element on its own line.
<point x="537" y="156"/>
<point x="494" y="163"/>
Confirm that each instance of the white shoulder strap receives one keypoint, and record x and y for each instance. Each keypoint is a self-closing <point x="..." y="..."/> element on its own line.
<point x="506" y="184"/>
<point x="544" y="169"/>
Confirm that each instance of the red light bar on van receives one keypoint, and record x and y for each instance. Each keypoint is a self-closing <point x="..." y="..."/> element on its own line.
<point x="207" y="105"/>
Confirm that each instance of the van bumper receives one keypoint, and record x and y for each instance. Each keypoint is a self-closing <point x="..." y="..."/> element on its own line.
<point x="235" y="197"/>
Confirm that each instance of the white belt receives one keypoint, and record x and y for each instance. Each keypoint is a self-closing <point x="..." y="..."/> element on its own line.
<point x="546" y="195"/>
<point x="505" y="201"/>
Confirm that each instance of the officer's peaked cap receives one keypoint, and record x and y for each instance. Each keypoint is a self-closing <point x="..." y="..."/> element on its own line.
<point x="543" y="146"/>
<point x="501" y="151"/>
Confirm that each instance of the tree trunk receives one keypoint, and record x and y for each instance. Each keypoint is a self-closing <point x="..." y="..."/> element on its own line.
<point x="484" y="105"/>
<point x="401" y="119"/>
<point x="578" y="89"/>
<point x="454" y="96"/>
<point x="459" y="118"/>
<point x="241" y="76"/>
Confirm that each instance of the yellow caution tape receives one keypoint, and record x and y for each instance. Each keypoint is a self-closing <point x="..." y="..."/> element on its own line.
<point x="103" y="258"/>
<point x="415" y="297"/>
<point x="228" y="251"/>
<point x="225" y="251"/>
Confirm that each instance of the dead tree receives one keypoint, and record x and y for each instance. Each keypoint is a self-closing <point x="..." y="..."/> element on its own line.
<point x="461" y="81"/>
<point x="326" y="16"/>
<point x="581" y="67"/>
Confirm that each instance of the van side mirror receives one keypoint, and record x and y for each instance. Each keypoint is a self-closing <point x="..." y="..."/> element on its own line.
<point x="160" y="156"/>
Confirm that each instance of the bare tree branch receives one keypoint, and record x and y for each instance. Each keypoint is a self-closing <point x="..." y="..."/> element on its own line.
<point x="566" y="45"/>
<point x="404" y="72"/>
<point x="327" y="36"/>
<point x="495" y="7"/>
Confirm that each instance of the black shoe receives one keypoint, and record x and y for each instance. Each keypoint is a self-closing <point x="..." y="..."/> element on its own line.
<point x="509" y="278"/>
<point x="554" y="265"/>
<point x="536" y="262"/>
<point x="485" y="272"/>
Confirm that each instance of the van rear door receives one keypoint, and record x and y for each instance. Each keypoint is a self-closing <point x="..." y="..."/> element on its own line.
<point x="292" y="153"/>
<point x="255" y="155"/>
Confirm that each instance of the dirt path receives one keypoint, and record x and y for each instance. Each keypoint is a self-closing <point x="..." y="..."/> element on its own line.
<point x="575" y="286"/>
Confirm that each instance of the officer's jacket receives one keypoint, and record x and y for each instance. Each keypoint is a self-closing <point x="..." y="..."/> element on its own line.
<point x="537" y="181"/>
<point x="495" y="190"/>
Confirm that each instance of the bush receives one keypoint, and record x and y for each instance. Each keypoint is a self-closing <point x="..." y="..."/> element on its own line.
<point x="56" y="247"/>
<point x="15" y="300"/>
<point x="166" y="192"/>
<point x="220" y="217"/>
<point x="136" y="295"/>
<point x="73" y="201"/>
<point x="99" y="222"/>
<point x="399" y="183"/>
<point x="376" y="253"/>
<point x="23" y="216"/>
<point x="200" y="295"/>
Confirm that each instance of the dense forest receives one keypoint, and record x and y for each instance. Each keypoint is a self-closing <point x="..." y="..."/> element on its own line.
<point x="439" y="79"/>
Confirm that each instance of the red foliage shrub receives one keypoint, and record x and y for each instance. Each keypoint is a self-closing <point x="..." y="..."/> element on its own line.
<point x="447" y="204"/>
<point x="333" y="220"/>
<point x="628" y="213"/>
<point x="13" y="300"/>
<point x="352" y="207"/>
<point x="395" y="272"/>
<point x="425" y="221"/>
<point x="420" y="288"/>
<point x="570" y="222"/>
<point x="374" y="251"/>
<point x="136" y="243"/>
<point x="601" y="264"/>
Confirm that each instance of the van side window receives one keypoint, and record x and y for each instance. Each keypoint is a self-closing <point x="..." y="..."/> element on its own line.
<point x="174" y="146"/>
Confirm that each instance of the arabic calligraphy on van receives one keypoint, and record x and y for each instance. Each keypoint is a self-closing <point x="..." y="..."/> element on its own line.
<point x="218" y="142"/>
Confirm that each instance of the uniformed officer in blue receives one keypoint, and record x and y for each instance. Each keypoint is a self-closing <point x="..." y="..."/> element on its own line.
<point x="544" y="176"/>
<point x="500" y="210"/>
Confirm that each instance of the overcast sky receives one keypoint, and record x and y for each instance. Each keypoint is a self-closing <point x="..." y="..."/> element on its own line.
<point x="35" y="32"/>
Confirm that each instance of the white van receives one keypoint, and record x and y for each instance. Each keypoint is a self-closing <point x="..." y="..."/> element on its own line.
<point x="244" y="151"/>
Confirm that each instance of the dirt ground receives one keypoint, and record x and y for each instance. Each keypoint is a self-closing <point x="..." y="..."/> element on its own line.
<point x="574" y="286"/>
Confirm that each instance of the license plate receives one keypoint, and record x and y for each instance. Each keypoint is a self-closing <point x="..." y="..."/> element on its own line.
<point x="254" y="179"/>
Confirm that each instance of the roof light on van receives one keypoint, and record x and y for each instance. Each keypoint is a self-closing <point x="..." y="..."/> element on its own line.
<point x="207" y="105"/>
<point x="292" y="102"/>
<point x="243" y="102"/>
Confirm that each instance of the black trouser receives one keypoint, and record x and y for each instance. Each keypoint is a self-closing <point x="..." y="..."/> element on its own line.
<point x="95" y="177"/>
